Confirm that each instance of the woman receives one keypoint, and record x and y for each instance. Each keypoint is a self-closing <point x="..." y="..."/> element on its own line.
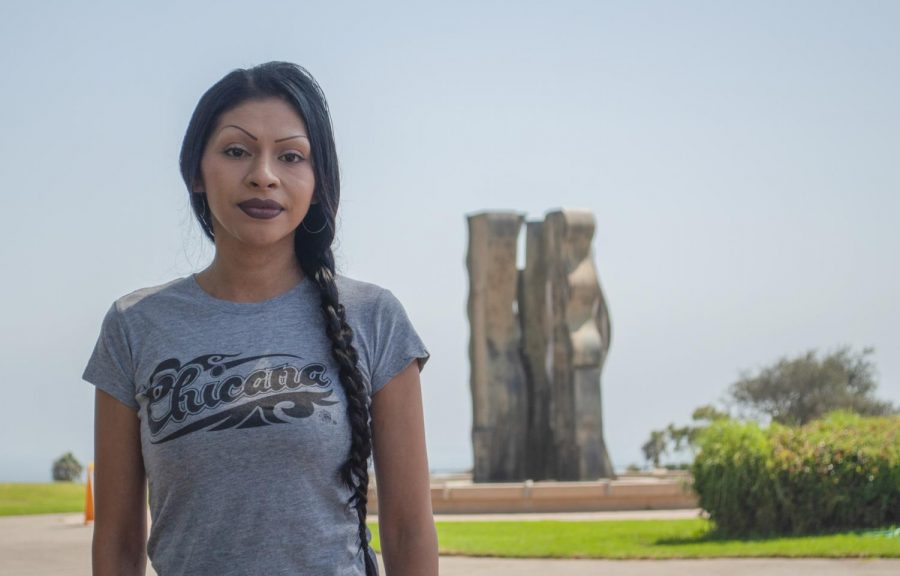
<point x="250" y="395"/>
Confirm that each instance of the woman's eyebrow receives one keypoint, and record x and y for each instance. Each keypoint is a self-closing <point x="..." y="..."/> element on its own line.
<point x="241" y="129"/>
<point x="304" y="136"/>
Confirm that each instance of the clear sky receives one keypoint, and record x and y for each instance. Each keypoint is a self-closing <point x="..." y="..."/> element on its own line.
<point x="741" y="159"/>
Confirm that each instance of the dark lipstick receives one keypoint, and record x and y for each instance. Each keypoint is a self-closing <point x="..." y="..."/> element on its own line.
<point x="263" y="209"/>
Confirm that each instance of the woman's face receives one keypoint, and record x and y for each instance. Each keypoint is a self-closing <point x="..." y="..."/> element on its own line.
<point x="257" y="174"/>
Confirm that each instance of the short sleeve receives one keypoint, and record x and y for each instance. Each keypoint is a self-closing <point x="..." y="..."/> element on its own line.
<point x="396" y="341"/>
<point x="110" y="366"/>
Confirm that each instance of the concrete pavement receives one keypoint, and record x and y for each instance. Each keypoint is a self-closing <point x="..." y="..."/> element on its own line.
<point x="60" y="545"/>
<point x="451" y="566"/>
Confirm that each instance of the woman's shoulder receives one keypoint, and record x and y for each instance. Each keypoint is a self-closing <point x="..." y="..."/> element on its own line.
<point x="359" y="293"/>
<point x="370" y="303"/>
<point x="149" y="295"/>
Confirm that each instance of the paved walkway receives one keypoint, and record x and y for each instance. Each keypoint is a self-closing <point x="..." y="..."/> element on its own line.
<point x="60" y="544"/>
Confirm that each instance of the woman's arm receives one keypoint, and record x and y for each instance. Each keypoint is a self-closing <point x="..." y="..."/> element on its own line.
<point x="120" y="491"/>
<point x="408" y="538"/>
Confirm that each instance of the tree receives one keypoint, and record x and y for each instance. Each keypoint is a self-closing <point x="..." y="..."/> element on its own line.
<point x="66" y="468"/>
<point x="686" y="436"/>
<point x="655" y="447"/>
<point x="795" y="391"/>
<point x="680" y="437"/>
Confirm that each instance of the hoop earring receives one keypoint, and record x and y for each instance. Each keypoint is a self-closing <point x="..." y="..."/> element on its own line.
<point x="206" y="216"/>
<point x="324" y="225"/>
<point x="324" y="221"/>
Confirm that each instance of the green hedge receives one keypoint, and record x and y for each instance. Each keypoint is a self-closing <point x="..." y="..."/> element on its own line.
<point x="838" y="473"/>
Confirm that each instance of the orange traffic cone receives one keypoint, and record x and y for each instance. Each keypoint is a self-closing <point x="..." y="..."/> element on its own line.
<point x="89" y="495"/>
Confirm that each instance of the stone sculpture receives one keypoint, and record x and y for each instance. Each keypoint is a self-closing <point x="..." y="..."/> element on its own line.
<point x="499" y="397"/>
<point x="538" y="341"/>
<point x="533" y="319"/>
<point x="578" y="343"/>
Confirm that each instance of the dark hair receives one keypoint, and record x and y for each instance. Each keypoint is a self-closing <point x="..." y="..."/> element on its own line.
<point x="296" y="86"/>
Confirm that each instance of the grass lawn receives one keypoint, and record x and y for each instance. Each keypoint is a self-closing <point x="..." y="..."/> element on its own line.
<point x="641" y="539"/>
<point x="41" y="498"/>
<point x="546" y="539"/>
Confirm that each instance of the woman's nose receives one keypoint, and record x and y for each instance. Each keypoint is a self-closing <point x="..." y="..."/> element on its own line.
<point x="261" y="174"/>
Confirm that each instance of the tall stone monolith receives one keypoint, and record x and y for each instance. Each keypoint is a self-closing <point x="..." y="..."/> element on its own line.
<point x="533" y="319"/>
<point x="579" y="338"/>
<point x="498" y="383"/>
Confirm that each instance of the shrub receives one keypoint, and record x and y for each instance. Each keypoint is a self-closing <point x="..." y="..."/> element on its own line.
<point x="838" y="473"/>
<point x="66" y="468"/>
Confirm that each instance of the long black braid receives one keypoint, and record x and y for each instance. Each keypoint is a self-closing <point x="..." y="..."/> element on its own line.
<point x="319" y="266"/>
<point x="296" y="86"/>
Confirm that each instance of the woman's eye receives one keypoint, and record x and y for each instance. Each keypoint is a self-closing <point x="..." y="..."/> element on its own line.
<point x="292" y="157"/>
<point x="235" y="152"/>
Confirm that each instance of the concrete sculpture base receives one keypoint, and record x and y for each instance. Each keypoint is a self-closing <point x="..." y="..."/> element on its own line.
<point x="459" y="495"/>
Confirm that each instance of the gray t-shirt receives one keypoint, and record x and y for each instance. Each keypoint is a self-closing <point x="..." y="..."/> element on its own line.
<point x="244" y="421"/>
